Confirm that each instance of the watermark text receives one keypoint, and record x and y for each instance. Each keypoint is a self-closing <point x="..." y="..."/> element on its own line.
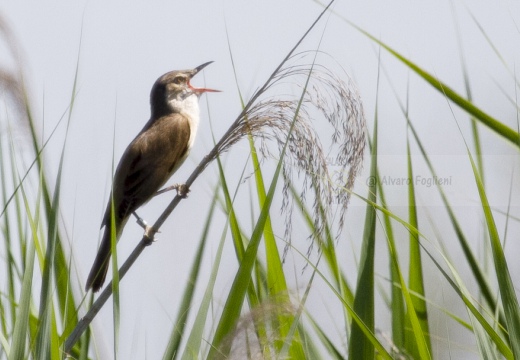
<point x="418" y="180"/>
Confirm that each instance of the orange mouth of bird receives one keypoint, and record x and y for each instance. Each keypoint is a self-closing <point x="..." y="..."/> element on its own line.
<point x="197" y="90"/>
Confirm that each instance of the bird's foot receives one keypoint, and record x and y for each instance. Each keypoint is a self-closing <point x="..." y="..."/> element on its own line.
<point x="149" y="231"/>
<point x="182" y="190"/>
<point x="149" y="234"/>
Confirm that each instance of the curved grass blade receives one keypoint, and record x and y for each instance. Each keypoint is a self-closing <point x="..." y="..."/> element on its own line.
<point x="501" y="345"/>
<point x="486" y="119"/>
<point x="276" y="282"/>
<point x="328" y="251"/>
<point x="382" y="353"/>
<point x="416" y="280"/>
<point x="193" y="344"/>
<point x="359" y="346"/>
<point x="505" y="284"/>
<point x="231" y="311"/>
<point x="47" y="321"/>
<point x="333" y="351"/>
<point x="423" y="348"/>
<point x="184" y="309"/>
<point x="478" y="273"/>
<point x="21" y="326"/>
<point x="476" y="312"/>
<point x="397" y="301"/>
<point x="420" y="342"/>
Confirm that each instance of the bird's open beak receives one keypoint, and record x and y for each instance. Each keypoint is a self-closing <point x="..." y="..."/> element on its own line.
<point x="200" y="90"/>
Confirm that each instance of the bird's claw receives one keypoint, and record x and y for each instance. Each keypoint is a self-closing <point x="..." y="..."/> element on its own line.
<point x="182" y="190"/>
<point x="149" y="234"/>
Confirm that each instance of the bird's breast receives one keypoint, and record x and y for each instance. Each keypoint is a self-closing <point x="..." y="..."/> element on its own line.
<point x="189" y="107"/>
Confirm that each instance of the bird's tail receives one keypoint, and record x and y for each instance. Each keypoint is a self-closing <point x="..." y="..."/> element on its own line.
<point x="99" y="270"/>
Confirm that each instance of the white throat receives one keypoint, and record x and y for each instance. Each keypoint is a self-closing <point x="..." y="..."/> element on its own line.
<point x="189" y="107"/>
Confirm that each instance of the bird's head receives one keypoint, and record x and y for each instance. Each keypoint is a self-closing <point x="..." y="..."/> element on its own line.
<point x="173" y="89"/>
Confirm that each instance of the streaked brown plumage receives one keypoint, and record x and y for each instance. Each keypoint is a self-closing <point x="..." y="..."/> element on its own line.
<point x="152" y="157"/>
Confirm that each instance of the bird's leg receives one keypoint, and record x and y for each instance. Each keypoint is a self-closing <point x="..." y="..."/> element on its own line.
<point x="140" y="221"/>
<point x="149" y="231"/>
<point x="182" y="190"/>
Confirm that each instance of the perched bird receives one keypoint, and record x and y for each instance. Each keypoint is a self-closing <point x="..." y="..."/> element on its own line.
<point x="152" y="157"/>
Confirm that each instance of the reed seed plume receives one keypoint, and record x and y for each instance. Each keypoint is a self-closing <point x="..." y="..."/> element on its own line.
<point x="244" y="341"/>
<point x="331" y="107"/>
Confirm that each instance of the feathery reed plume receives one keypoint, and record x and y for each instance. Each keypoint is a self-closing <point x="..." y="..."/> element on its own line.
<point x="329" y="101"/>
<point x="244" y="342"/>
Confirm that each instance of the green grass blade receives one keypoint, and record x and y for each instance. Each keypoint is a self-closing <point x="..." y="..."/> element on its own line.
<point x="417" y="331"/>
<point x="474" y="129"/>
<point x="233" y="221"/>
<point x="475" y="267"/>
<point x="332" y="350"/>
<point x="328" y="251"/>
<point x="184" y="309"/>
<point x="21" y="331"/>
<point x="486" y="119"/>
<point x="46" y="311"/>
<point x="501" y="345"/>
<point x="397" y="302"/>
<point x="308" y="343"/>
<point x="493" y="47"/>
<point x="381" y="351"/>
<point x="276" y="283"/>
<point x="292" y="338"/>
<point x="241" y="283"/>
<point x="116" y="309"/>
<point x="193" y="344"/>
<point x="233" y="305"/>
<point x="416" y="280"/>
<point x="505" y="284"/>
<point x="275" y="276"/>
<point x="235" y="232"/>
<point x="10" y="262"/>
<point x="420" y="342"/>
<point x="4" y="344"/>
<point x="55" y="339"/>
<point x="473" y="310"/>
<point x="47" y="339"/>
<point x="64" y="294"/>
<point x="261" y="290"/>
<point x="65" y="297"/>
<point x="359" y="346"/>
<point x="21" y="325"/>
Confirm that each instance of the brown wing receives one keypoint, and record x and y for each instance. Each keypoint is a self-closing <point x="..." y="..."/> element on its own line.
<point x="147" y="163"/>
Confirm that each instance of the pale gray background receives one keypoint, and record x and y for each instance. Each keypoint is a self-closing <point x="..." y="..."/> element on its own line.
<point x="123" y="47"/>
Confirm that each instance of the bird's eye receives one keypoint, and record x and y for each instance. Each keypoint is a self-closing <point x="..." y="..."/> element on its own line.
<point x="179" y="80"/>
